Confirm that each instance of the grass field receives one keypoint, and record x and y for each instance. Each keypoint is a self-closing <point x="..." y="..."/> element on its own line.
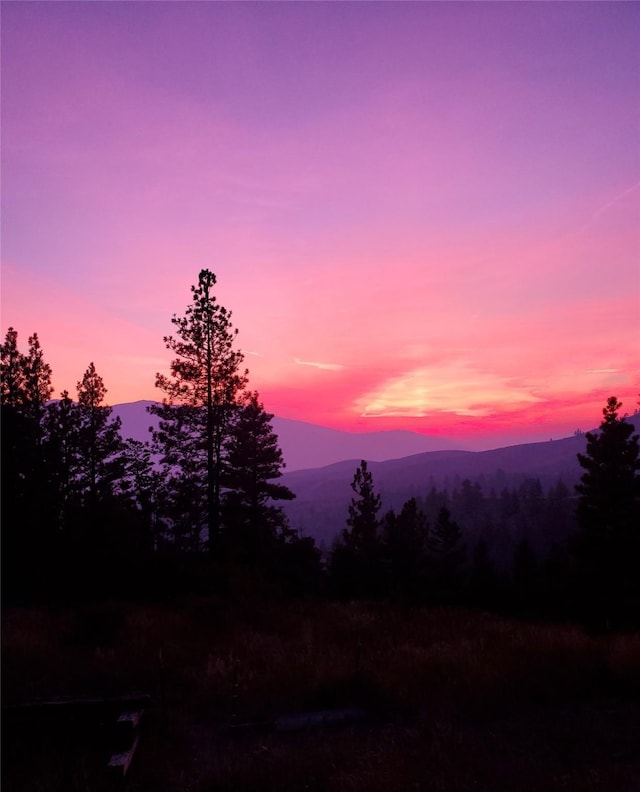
<point x="450" y="699"/>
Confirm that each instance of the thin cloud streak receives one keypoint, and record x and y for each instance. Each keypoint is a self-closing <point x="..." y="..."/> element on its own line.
<point x="322" y="366"/>
<point x="605" y="207"/>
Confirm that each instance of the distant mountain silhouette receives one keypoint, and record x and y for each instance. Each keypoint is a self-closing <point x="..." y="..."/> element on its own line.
<point x="321" y="463"/>
<point x="306" y="445"/>
<point x="322" y="496"/>
<point x="136" y="421"/>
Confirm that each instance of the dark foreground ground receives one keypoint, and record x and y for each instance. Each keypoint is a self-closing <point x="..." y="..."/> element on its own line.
<point x="384" y="698"/>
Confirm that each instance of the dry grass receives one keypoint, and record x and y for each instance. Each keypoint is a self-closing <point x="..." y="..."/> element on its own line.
<point x="457" y="699"/>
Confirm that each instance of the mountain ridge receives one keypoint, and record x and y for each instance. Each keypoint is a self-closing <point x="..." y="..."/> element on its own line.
<point x="323" y="495"/>
<point x="306" y="445"/>
<point x="323" y="491"/>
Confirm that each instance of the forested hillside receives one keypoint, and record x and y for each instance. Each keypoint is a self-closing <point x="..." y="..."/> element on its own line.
<point x="545" y="528"/>
<point x="550" y="469"/>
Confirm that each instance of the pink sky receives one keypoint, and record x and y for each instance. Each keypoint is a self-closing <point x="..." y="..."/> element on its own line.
<point x="422" y="215"/>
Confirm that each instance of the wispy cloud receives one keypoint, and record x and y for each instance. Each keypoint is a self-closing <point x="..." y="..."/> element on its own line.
<point x="456" y="389"/>
<point x="606" y="206"/>
<point x="323" y="366"/>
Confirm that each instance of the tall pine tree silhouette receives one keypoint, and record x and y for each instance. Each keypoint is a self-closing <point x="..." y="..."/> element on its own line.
<point x="609" y="517"/>
<point x="25" y="387"/>
<point x="201" y="393"/>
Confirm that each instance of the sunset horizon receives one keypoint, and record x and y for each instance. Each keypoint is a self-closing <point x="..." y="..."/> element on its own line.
<point x="422" y="217"/>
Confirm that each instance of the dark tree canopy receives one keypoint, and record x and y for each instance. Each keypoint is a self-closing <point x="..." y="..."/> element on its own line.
<point x="610" y="486"/>
<point x="13" y="371"/>
<point x="404" y="538"/>
<point x="37" y="380"/>
<point x="79" y="503"/>
<point x="252" y="523"/>
<point x="355" y="564"/>
<point x="609" y="511"/>
<point x="62" y="456"/>
<point x="205" y="381"/>
<point x="25" y="386"/>
<point x="362" y="532"/>
<point x="445" y="538"/>
<point x="207" y="369"/>
<point x="100" y="443"/>
<point x="253" y="459"/>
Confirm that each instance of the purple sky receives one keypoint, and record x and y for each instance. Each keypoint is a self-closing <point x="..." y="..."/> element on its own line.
<point x="422" y="215"/>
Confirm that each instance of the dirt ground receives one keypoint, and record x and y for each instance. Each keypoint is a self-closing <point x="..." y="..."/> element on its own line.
<point x="447" y="700"/>
<point x="589" y="747"/>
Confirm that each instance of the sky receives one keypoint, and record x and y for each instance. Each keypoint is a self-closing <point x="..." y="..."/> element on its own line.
<point x="422" y="215"/>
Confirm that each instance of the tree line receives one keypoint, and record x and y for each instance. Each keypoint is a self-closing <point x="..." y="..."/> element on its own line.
<point x="86" y="513"/>
<point x="572" y="557"/>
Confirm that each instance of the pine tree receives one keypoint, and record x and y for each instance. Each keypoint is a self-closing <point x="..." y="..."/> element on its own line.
<point x="608" y="544"/>
<point x="252" y="463"/>
<point x="100" y="443"/>
<point x="446" y="555"/>
<point x="404" y="539"/>
<point x="62" y="457"/>
<point x="139" y="486"/>
<point x="610" y="486"/>
<point x="362" y="533"/>
<point x="12" y="372"/>
<point x="356" y="557"/>
<point x="201" y="393"/>
<point x="182" y="493"/>
<point x="37" y="381"/>
<point x="38" y="390"/>
<point x="15" y="427"/>
<point x="25" y="389"/>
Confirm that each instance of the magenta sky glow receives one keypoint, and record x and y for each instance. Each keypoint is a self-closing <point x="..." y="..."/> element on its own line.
<point x="422" y="215"/>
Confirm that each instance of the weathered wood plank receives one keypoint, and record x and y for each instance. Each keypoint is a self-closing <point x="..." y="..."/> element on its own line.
<point x="131" y="718"/>
<point x="121" y="762"/>
<point x="130" y="700"/>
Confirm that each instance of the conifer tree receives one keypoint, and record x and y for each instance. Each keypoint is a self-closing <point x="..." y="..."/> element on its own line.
<point x="362" y="533"/>
<point x="609" y="515"/>
<point x="447" y="555"/>
<point x="201" y="392"/>
<point x="139" y="488"/>
<point x="38" y="390"/>
<point x="355" y="558"/>
<point x="404" y="538"/>
<point x="26" y="520"/>
<point x="252" y="463"/>
<point x="12" y="371"/>
<point x="15" y="425"/>
<point x="610" y="486"/>
<point x="37" y="381"/>
<point x="183" y="504"/>
<point x="61" y="455"/>
<point x="100" y="443"/>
